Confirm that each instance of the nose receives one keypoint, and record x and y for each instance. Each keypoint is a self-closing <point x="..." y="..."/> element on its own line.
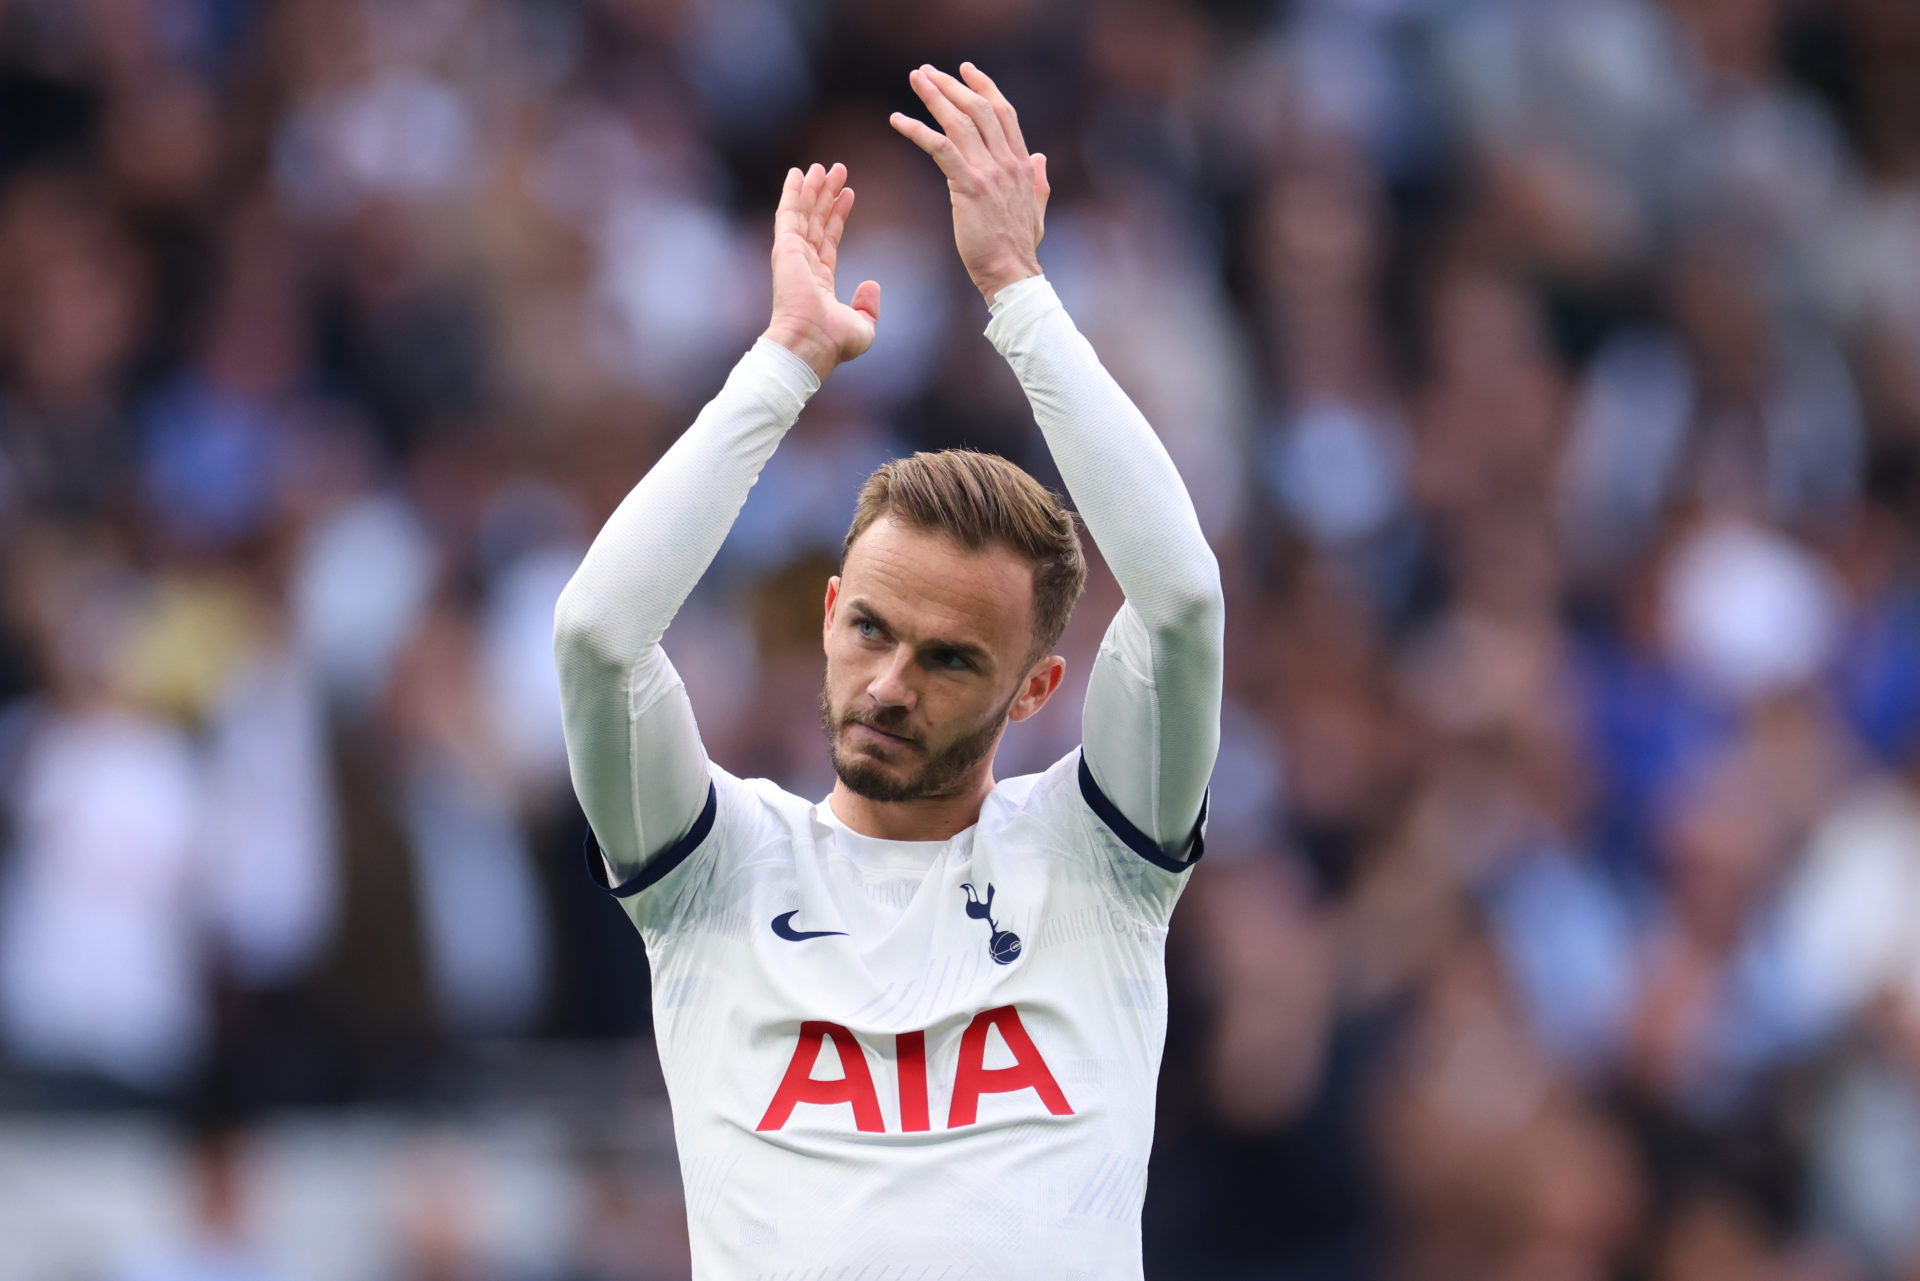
<point x="892" y="686"/>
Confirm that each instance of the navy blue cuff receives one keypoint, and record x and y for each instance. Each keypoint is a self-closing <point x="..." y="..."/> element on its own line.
<point x="1136" y="840"/>
<point x="661" y="864"/>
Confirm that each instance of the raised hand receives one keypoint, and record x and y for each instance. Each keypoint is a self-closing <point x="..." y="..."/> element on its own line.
<point x="999" y="191"/>
<point x="808" y="319"/>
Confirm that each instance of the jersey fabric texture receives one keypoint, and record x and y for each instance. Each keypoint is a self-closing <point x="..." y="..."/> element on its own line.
<point x="897" y="1059"/>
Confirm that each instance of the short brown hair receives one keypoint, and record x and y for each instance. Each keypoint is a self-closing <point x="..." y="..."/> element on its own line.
<point x="979" y="500"/>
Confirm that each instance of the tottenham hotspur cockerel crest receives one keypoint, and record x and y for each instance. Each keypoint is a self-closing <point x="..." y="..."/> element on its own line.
<point x="1002" y="945"/>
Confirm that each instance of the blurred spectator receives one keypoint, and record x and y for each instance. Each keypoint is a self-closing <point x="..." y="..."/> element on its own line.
<point x="100" y="966"/>
<point x="221" y="1243"/>
<point x="631" y="1228"/>
<point x="480" y="910"/>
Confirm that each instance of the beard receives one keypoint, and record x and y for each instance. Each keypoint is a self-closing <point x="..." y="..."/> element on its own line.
<point x="939" y="775"/>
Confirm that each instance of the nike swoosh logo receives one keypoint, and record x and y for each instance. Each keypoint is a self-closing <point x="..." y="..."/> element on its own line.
<point x="783" y="926"/>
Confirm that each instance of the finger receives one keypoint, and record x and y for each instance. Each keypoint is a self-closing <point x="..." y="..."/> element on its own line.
<point x="957" y="124"/>
<point x="809" y="198"/>
<point x="978" y="111"/>
<point x="866" y="299"/>
<point x="787" y="217"/>
<point x="1041" y="187"/>
<point x="836" y="223"/>
<point x="983" y="84"/>
<point x="931" y="141"/>
<point x="823" y="203"/>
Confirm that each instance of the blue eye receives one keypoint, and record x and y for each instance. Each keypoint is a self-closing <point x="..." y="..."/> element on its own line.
<point x="952" y="662"/>
<point x="866" y="629"/>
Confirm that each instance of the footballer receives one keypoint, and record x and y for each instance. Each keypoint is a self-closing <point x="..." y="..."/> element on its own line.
<point x="913" y="1030"/>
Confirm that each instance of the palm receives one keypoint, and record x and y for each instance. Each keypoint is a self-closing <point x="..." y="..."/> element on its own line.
<point x="803" y="285"/>
<point x="807" y="315"/>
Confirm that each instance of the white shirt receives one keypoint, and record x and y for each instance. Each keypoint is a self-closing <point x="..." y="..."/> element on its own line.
<point x="907" y="1057"/>
<point x="998" y="1117"/>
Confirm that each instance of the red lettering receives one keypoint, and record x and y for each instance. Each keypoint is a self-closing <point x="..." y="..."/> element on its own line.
<point x="854" y="1086"/>
<point x="974" y="1078"/>
<point x="910" y="1052"/>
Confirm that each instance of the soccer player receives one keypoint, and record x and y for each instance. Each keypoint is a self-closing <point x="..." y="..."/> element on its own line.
<point x="913" y="1030"/>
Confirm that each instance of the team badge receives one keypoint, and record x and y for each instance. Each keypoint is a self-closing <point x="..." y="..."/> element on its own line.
<point x="1002" y="945"/>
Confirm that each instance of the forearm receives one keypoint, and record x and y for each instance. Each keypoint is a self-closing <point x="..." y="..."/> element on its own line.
<point x="1118" y="474"/>
<point x="1152" y="718"/>
<point x="634" y="750"/>
<point x="663" y="536"/>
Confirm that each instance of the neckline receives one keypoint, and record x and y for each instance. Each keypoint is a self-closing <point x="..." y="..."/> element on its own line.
<point x="879" y="851"/>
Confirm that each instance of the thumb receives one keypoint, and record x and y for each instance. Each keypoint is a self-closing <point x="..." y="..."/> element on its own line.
<point x="866" y="299"/>
<point x="1041" y="190"/>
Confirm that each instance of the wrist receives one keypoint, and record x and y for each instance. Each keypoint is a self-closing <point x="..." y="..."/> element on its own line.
<point x="992" y="281"/>
<point x="806" y="342"/>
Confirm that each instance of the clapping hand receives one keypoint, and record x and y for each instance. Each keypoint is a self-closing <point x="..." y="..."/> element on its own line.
<point x="999" y="191"/>
<point x="808" y="319"/>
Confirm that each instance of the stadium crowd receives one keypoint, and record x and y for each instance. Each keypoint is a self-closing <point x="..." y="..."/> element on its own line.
<point x="1546" y="372"/>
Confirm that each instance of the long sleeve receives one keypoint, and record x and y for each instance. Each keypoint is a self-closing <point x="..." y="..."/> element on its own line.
<point x="1152" y="720"/>
<point x="632" y="745"/>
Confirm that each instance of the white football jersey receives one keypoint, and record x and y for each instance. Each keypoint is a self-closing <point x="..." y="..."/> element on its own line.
<point x="911" y="1059"/>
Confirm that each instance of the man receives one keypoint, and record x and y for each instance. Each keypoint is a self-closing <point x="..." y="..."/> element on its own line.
<point x="913" y="1030"/>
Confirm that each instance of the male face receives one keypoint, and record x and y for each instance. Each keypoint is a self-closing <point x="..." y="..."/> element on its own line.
<point x="928" y="649"/>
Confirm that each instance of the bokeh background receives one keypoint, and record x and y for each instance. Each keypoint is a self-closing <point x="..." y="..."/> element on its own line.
<point x="1547" y="375"/>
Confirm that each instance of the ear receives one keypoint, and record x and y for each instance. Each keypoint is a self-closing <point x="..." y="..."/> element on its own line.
<point x="1039" y="687"/>
<point x="826" y="620"/>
